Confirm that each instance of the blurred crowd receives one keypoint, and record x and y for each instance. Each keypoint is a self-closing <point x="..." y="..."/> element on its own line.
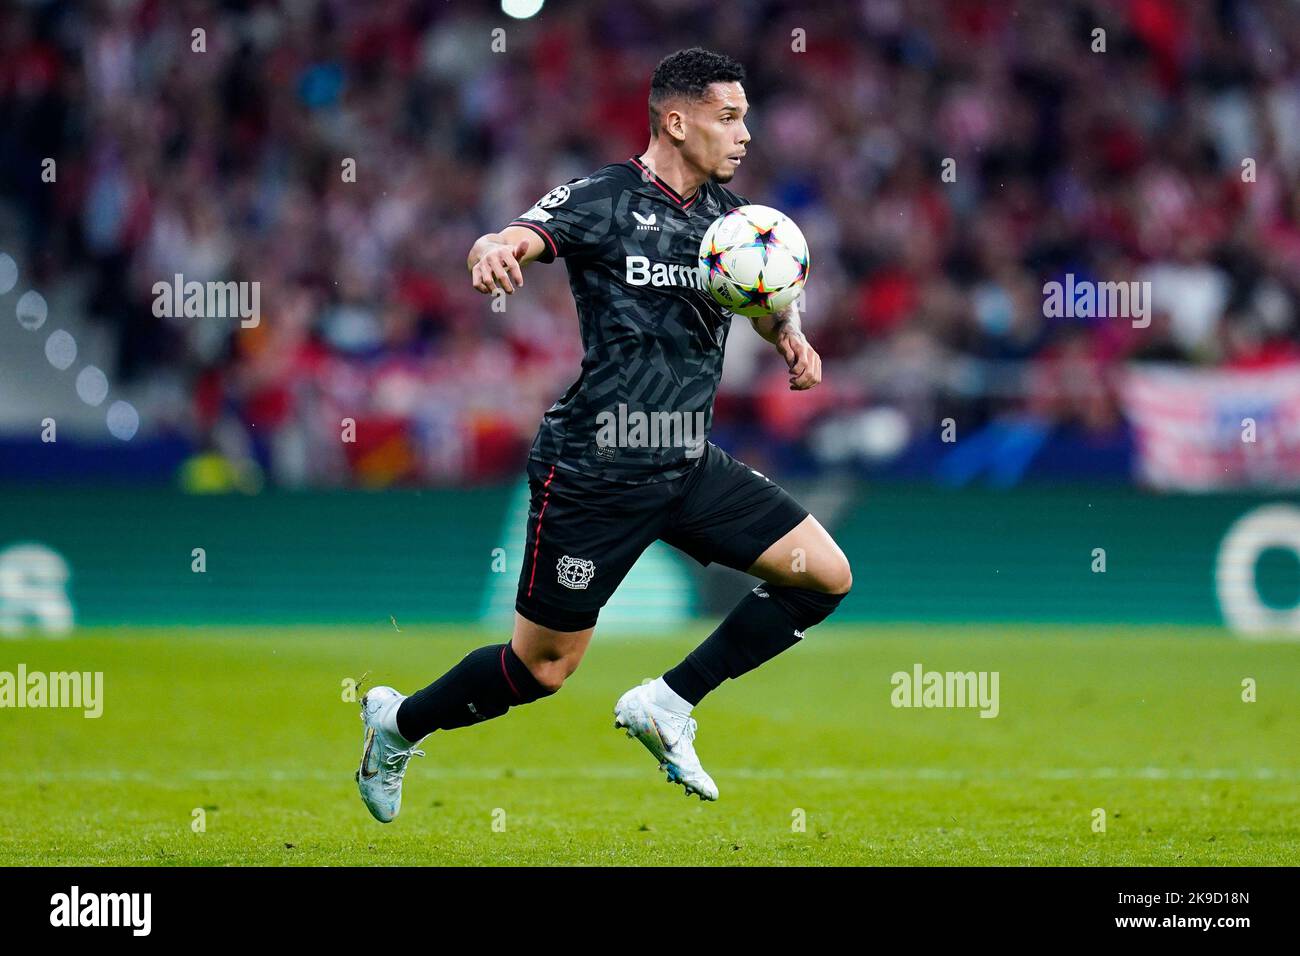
<point x="944" y="159"/>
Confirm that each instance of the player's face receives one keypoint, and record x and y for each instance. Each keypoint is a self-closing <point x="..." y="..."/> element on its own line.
<point x="717" y="131"/>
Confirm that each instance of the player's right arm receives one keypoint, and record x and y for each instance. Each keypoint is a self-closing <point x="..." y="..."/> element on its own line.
<point x="497" y="260"/>
<point x="571" y="219"/>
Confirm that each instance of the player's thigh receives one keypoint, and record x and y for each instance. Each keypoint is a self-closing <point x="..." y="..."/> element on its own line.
<point x="583" y="537"/>
<point x="731" y="513"/>
<point x="805" y="557"/>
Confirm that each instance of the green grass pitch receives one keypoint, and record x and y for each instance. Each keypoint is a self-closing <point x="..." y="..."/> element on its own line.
<point x="250" y="726"/>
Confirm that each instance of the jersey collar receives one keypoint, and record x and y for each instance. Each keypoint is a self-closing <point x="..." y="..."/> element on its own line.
<point x="644" y="170"/>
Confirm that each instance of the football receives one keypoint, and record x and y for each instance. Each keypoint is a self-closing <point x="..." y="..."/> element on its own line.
<point x="754" y="260"/>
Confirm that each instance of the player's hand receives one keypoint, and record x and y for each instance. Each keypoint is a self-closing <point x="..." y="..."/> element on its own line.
<point x="499" y="268"/>
<point x="805" y="364"/>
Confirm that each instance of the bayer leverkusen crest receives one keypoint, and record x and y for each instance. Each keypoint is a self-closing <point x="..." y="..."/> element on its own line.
<point x="575" y="573"/>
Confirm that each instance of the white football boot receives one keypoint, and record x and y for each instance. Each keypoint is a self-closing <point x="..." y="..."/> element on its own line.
<point x="385" y="754"/>
<point x="669" y="735"/>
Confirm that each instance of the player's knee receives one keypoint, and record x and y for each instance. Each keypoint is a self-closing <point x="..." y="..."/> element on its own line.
<point x="836" y="578"/>
<point x="551" y="674"/>
<point x="845" y="583"/>
<point x="551" y="681"/>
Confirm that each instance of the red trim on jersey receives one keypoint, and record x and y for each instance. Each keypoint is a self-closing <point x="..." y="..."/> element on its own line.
<point x="666" y="189"/>
<point x="555" y="250"/>
<point x="507" y="673"/>
<point x="537" y="535"/>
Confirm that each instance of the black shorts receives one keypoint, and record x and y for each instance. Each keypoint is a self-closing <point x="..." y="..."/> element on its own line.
<point x="584" y="534"/>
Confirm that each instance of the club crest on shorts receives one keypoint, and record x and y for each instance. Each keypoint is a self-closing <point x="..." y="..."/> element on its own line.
<point x="575" y="573"/>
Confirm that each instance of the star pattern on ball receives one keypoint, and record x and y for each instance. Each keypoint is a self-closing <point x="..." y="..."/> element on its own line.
<point x="763" y="237"/>
<point x="757" y="296"/>
<point x="713" y="260"/>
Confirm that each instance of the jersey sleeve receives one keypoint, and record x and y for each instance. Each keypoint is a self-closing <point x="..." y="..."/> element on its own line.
<point x="572" y="219"/>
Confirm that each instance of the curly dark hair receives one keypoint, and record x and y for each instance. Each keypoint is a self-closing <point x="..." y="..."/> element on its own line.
<point x="688" y="73"/>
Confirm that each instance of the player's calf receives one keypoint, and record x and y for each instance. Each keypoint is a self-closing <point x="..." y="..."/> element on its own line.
<point x="774" y="616"/>
<point x="768" y="620"/>
<point x="485" y="684"/>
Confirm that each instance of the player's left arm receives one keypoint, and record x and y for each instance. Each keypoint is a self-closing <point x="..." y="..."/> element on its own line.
<point x="784" y="330"/>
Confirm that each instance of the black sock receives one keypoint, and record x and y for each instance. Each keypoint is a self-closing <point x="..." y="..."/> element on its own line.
<point x="767" y="621"/>
<point x="487" y="683"/>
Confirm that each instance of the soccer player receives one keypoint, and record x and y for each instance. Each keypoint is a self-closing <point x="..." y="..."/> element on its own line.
<point x="653" y="337"/>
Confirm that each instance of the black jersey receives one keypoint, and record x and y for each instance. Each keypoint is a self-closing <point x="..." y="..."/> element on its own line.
<point x="652" y="336"/>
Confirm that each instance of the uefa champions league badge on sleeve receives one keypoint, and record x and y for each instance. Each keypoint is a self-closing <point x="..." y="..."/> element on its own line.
<point x="556" y="197"/>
